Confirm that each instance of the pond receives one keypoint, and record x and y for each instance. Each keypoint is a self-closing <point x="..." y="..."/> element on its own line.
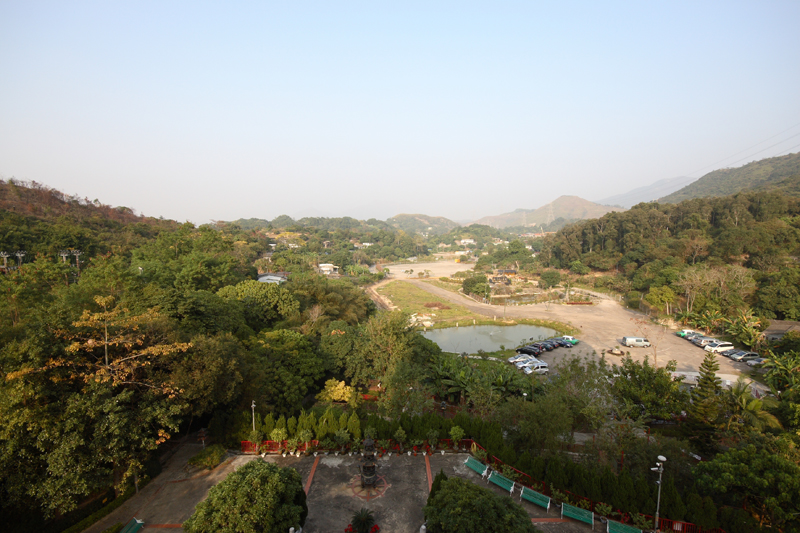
<point x="470" y="339"/>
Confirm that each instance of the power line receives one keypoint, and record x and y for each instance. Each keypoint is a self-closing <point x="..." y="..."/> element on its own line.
<point x="767" y="148"/>
<point x="748" y="148"/>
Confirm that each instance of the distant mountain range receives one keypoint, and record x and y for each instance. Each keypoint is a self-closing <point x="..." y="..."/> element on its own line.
<point x="566" y="207"/>
<point x="648" y="193"/>
<point x="780" y="173"/>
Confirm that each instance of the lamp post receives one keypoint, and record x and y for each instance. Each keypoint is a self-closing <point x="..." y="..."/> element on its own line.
<point x="253" y="407"/>
<point x="524" y="396"/>
<point x="660" y="469"/>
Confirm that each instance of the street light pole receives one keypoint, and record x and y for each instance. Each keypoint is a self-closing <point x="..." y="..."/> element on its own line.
<point x="253" y="407"/>
<point x="660" y="469"/>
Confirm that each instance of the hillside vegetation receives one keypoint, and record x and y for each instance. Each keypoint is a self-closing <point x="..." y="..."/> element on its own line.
<point x="781" y="174"/>
<point x="742" y="249"/>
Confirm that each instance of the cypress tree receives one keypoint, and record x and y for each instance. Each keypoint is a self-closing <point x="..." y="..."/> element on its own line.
<point x="709" y="518"/>
<point x="538" y="467"/>
<point x="625" y="493"/>
<point x="354" y="426"/>
<point x="291" y="427"/>
<point x="268" y="424"/>
<point x="437" y="484"/>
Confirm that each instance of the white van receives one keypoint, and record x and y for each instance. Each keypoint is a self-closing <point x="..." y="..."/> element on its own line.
<point x="636" y="342"/>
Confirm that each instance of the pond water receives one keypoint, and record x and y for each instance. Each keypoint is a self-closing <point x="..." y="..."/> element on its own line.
<point x="470" y="339"/>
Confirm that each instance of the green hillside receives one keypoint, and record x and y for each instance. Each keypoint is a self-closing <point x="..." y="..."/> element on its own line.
<point x="781" y="174"/>
<point x="422" y="224"/>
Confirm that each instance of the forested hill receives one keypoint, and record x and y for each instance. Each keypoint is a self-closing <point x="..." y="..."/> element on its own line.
<point x="42" y="220"/>
<point x="781" y="174"/>
<point x="422" y="224"/>
<point x="747" y="243"/>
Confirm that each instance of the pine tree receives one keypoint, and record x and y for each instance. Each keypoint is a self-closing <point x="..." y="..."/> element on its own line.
<point x="706" y="404"/>
<point x="291" y="426"/>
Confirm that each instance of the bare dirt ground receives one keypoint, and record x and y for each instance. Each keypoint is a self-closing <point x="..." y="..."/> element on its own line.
<point x="601" y="326"/>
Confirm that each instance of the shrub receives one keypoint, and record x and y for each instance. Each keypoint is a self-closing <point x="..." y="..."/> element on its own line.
<point x="463" y="507"/>
<point x="259" y="496"/>
<point x="210" y="457"/>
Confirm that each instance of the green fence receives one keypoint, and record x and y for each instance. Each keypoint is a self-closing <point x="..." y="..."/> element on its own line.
<point x="577" y="513"/>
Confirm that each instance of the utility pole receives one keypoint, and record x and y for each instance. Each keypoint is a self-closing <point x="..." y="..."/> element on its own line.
<point x="253" y="407"/>
<point x="660" y="469"/>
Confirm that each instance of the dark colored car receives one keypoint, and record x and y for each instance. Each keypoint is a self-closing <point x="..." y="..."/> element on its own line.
<point x="530" y="350"/>
<point x="561" y="342"/>
<point x="547" y="346"/>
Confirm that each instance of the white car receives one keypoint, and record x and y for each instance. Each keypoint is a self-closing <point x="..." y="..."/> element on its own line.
<point x="717" y="347"/>
<point x="537" y="367"/>
<point x="523" y="362"/>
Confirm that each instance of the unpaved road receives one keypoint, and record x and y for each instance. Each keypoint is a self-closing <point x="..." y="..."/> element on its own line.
<point x="601" y="326"/>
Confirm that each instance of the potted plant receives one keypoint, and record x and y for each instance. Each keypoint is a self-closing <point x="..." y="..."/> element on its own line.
<point x="328" y="444"/>
<point x="604" y="510"/>
<point x="385" y="445"/>
<point x="363" y="521"/>
<point x="292" y="445"/>
<point x="342" y="438"/>
<point x="279" y="435"/>
<point x="456" y="434"/>
<point x="416" y="445"/>
<point x="400" y="438"/>
<point x="433" y="439"/>
<point x="305" y="437"/>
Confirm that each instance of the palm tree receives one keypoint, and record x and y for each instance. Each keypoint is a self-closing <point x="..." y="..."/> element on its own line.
<point x="748" y="411"/>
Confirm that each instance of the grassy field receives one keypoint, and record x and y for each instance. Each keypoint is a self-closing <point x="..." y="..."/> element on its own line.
<point x="411" y="299"/>
<point x="452" y="287"/>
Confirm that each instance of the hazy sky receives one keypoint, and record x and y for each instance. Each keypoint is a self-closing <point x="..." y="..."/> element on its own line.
<point x="218" y="110"/>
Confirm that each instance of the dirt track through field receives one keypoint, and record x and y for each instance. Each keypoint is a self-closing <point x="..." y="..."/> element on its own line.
<point x="601" y="326"/>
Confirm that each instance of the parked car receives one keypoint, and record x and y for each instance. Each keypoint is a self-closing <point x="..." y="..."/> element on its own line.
<point x="702" y="341"/>
<point x="717" y="347"/>
<point x="537" y="368"/>
<point x="758" y="361"/>
<point x="640" y="342"/>
<point x="685" y="332"/>
<point x="530" y="350"/>
<point x="546" y="346"/>
<point x="515" y="358"/>
<point x="728" y="353"/>
<point x="523" y="362"/>
<point x="570" y="339"/>
<point x="746" y="356"/>
<point x="560" y="343"/>
<point x="692" y="336"/>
